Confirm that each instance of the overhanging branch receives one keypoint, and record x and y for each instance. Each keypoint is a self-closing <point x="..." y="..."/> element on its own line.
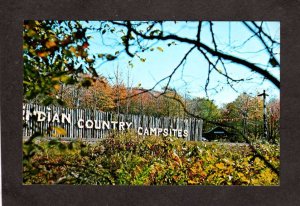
<point x="213" y="52"/>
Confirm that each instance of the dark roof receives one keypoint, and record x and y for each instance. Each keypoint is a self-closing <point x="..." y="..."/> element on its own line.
<point x="217" y="130"/>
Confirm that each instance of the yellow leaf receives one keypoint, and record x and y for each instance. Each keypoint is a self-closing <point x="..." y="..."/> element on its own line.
<point x="203" y="174"/>
<point x="55" y="79"/>
<point x="220" y="165"/>
<point x="72" y="49"/>
<point x="194" y="170"/>
<point x="160" y="49"/>
<point x="89" y="60"/>
<point x="25" y="46"/>
<point x="176" y="158"/>
<point x="56" y="87"/>
<point x="219" y="69"/>
<point x="31" y="33"/>
<point x="64" y="78"/>
<point x="60" y="131"/>
<point x="192" y="182"/>
<point x="43" y="54"/>
<point x="245" y="180"/>
<point x="50" y="44"/>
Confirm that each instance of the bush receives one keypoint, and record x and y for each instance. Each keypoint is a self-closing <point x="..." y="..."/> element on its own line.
<point x="130" y="160"/>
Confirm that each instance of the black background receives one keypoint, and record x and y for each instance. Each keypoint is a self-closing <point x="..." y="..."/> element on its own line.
<point x="14" y="12"/>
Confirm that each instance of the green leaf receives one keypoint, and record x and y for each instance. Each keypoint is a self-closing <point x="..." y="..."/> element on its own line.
<point x="156" y="31"/>
<point x="53" y="142"/>
<point x="124" y="38"/>
<point x="71" y="145"/>
<point x="26" y="82"/>
<point x="47" y="101"/>
<point x="31" y="33"/>
<point x="61" y="102"/>
<point x="62" y="146"/>
<point x="86" y="83"/>
<point x="110" y="57"/>
<point x="89" y="60"/>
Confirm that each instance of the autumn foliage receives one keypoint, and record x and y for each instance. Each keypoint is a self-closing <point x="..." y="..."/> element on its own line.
<point x="59" y="69"/>
<point x="128" y="160"/>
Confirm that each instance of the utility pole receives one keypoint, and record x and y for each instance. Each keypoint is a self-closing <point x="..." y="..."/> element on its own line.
<point x="127" y="93"/>
<point x="264" y="94"/>
<point x="118" y="90"/>
<point x="245" y="113"/>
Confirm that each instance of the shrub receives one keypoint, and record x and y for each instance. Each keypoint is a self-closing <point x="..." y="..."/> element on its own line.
<point x="130" y="160"/>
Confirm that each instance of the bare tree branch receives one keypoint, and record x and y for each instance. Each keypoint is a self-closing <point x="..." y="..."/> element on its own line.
<point x="169" y="77"/>
<point x="213" y="52"/>
<point x="264" y="33"/>
<point x="214" y="66"/>
<point x="258" y="35"/>
<point x="127" y="39"/>
<point x="212" y="35"/>
<point x="199" y="32"/>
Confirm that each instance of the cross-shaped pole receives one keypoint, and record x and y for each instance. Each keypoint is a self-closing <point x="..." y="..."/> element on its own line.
<point x="264" y="94"/>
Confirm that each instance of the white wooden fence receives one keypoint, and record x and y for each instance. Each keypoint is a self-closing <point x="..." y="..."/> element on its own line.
<point x="31" y="125"/>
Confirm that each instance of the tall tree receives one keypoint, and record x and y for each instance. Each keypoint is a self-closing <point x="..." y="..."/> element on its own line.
<point x="245" y="113"/>
<point x="205" y="108"/>
<point x="273" y="120"/>
<point x="99" y="95"/>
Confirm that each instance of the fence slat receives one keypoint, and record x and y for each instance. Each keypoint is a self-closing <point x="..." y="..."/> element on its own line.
<point x="194" y="126"/>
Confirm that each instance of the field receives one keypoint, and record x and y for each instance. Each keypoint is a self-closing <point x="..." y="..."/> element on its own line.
<point x="128" y="160"/>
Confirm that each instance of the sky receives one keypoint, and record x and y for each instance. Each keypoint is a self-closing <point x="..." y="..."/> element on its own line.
<point x="189" y="80"/>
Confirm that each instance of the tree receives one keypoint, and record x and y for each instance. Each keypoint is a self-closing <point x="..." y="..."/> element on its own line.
<point x="205" y="108"/>
<point x="100" y="95"/>
<point x="273" y="120"/>
<point x="54" y="53"/>
<point x="136" y="38"/>
<point x="155" y="103"/>
<point x="170" y="103"/>
<point x="246" y="115"/>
